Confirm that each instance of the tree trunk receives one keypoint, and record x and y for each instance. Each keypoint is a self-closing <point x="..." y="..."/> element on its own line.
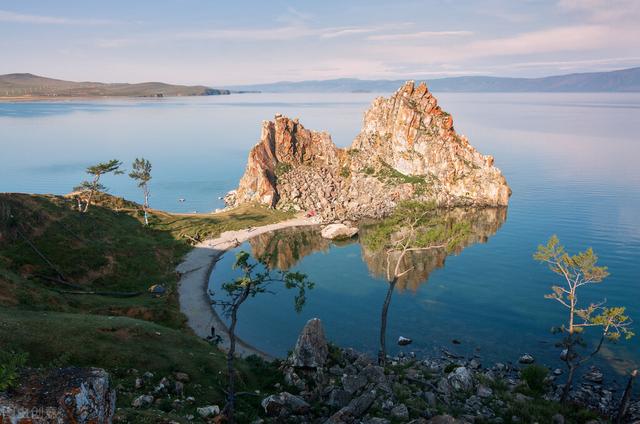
<point x="231" y="387"/>
<point x="86" y="206"/>
<point x="626" y="398"/>
<point x="382" y="353"/>
<point x="146" y="205"/>
<point x="229" y="408"/>
<point x="569" y="383"/>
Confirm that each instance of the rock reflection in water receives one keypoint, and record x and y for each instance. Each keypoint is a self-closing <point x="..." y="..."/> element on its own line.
<point x="483" y="223"/>
<point x="284" y="248"/>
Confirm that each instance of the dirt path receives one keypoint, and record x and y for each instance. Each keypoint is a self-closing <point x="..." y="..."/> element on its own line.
<point x="195" y="271"/>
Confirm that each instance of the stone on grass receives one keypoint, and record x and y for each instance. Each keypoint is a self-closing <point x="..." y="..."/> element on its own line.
<point x="143" y="401"/>
<point x="284" y="403"/>
<point x="208" y="411"/>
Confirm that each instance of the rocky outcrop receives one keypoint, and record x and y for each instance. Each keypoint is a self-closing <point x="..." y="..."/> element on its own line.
<point x="64" y="395"/>
<point x="311" y="348"/>
<point x="407" y="149"/>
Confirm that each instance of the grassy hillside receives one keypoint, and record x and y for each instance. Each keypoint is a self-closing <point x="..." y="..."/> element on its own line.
<point x="29" y="85"/>
<point x="74" y="291"/>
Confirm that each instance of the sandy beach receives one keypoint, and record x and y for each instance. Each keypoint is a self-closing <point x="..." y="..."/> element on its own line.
<point x="195" y="271"/>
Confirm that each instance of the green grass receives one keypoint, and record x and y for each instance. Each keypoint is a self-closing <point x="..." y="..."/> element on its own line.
<point x="120" y="344"/>
<point x="390" y="175"/>
<point x="105" y="250"/>
<point x="109" y="250"/>
<point x="201" y="227"/>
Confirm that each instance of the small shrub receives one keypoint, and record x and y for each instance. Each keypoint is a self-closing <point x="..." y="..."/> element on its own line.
<point x="345" y="172"/>
<point x="369" y="170"/>
<point x="534" y="376"/>
<point x="450" y="368"/>
<point x="282" y="168"/>
<point x="10" y="364"/>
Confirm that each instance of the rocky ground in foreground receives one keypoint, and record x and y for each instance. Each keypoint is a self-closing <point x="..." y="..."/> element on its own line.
<point x="331" y="385"/>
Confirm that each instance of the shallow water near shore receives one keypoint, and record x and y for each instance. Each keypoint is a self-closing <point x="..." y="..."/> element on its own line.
<point x="571" y="160"/>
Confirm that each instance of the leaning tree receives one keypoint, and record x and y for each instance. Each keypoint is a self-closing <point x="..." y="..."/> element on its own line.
<point x="90" y="187"/>
<point x="610" y="323"/>
<point x="255" y="278"/>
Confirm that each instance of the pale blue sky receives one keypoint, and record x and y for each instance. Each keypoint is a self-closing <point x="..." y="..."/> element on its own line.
<point x="220" y="43"/>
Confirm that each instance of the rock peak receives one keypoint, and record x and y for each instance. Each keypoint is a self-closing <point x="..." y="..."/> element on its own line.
<point x="407" y="149"/>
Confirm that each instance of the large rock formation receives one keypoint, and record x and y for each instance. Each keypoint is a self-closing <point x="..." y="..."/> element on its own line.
<point x="407" y="149"/>
<point x="63" y="395"/>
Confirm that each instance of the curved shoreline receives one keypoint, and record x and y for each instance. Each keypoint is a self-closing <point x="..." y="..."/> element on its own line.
<point x="195" y="271"/>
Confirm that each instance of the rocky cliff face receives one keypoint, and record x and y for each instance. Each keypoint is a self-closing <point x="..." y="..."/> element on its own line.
<point x="407" y="149"/>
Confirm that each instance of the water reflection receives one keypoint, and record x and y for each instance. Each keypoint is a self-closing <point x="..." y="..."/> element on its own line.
<point x="483" y="223"/>
<point x="285" y="248"/>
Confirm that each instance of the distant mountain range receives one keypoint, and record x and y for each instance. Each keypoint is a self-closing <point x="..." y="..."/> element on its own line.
<point x="29" y="85"/>
<point x="625" y="80"/>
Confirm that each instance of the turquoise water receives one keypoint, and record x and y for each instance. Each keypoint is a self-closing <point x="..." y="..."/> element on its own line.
<point x="571" y="160"/>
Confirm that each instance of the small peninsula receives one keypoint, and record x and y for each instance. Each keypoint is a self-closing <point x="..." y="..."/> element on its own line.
<point x="29" y="86"/>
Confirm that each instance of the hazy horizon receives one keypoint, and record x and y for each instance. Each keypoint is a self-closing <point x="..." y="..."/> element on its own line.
<point x="196" y="42"/>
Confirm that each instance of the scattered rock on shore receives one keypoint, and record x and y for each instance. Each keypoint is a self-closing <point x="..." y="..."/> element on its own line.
<point x="338" y="231"/>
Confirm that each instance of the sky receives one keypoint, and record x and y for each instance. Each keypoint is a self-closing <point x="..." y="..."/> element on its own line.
<point x="220" y="43"/>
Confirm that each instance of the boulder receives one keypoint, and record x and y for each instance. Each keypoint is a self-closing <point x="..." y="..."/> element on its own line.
<point x="484" y="391"/>
<point x="311" y="349"/>
<point x="208" y="411"/>
<point x="338" y="232"/>
<point x="353" y="383"/>
<point x="355" y="409"/>
<point x="142" y="401"/>
<point x="403" y="341"/>
<point x="400" y="412"/>
<point x="284" y="404"/>
<point x="460" y="379"/>
<point x="526" y="359"/>
<point x="79" y="395"/>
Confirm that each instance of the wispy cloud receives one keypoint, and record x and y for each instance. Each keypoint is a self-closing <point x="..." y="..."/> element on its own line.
<point x="604" y="11"/>
<point x="8" y="16"/>
<point x="420" y="35"/>
<point x="279" y="33"/>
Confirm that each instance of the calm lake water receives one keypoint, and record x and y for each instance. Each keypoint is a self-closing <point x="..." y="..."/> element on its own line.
<point x="571" y="160"/>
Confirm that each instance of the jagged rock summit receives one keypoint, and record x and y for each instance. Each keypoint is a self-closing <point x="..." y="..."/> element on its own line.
<point x="407" y="149"/>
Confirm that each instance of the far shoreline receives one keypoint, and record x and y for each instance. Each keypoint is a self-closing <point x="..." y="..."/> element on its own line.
<point x="27" y="99"/>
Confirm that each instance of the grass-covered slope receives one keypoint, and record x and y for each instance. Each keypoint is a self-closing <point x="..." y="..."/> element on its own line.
<point x="74" y="291"/>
